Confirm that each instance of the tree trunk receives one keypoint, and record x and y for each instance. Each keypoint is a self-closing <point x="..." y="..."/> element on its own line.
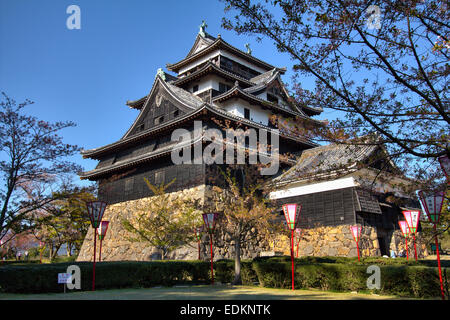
<point x="237" y="263"/>
<point x="69" y="249"/>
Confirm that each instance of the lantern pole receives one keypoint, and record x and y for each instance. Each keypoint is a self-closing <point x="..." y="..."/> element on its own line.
<point x="292" y="256"/>
<point x="415" y="248"/>
<point x="439" y="261"/>
<point x="406" y="244"/>
<point x="93" y="269"/>
<point x="100" y="252"/>
<point x="356" y="237"/>
<point x="96" y="209"/>
<point x="212" y="268"/>
<point x="297" y="239"/>
<point x="210" y="220"/>
<point x="101" y="235"/>
<point x="357" y="249"/>
<point x="432" y="205"/>
<point x="291" y="213"/>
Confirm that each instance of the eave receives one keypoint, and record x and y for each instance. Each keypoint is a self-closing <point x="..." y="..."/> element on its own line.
<point x="132" y="140"/>
<point x="239" y="93"/>
<point x="210" y="67"/>
<point x="218" y="43"/>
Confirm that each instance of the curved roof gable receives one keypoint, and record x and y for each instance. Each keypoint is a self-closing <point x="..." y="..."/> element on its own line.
<point x="184" y="100"/>
<point x="216" y="44"/>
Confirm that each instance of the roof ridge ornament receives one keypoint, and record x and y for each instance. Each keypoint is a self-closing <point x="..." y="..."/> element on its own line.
<point x="161" y="73"/>
<point x="249" y="51"/>
<point x="202" y="30"/>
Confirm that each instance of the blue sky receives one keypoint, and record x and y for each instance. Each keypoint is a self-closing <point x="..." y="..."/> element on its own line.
<point x="87" y="75"/>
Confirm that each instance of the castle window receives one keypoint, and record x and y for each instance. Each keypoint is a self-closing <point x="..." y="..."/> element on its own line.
<point x="272" y="98"/>
<point x="159" y="120"/>
<point x="223" y="87"/>
<point x="247" y="113"/>
<point x="195" y="88"/>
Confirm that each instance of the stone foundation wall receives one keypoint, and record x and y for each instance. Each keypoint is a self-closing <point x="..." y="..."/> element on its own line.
<point x="116" y="247"/>
<point x="319" y="241"/>
<point x="338" y="241"/>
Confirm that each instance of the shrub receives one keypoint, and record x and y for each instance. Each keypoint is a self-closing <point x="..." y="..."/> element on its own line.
<point x="43" y="277"/>
<point x="398" y="277"/>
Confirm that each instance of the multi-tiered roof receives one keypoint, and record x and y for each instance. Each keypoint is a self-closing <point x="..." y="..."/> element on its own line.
<point x="215" y="79"/>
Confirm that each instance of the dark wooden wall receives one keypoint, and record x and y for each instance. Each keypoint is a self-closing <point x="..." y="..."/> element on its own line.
<point x="130" y="185"/>
<point x="328" y="208"/>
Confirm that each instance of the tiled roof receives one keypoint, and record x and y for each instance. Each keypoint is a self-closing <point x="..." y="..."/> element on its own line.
<point x="326" y="159"/>
<point x="218" y="43"/>
<point x="186" y="96"/>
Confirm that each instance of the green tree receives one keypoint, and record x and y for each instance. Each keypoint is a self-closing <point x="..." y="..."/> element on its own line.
<point x="33" y="159"/>
<point x="246" y="213"/>
<point x="166" y="222"/>
<point x="66" y="220"/>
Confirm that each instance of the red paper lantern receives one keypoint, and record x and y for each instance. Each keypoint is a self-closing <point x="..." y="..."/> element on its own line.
<point x="103" y="228"/>
<point x="404" y="228"/>
<point x="356" y="232"/>
<point x="412" y="219"/>
<point x="432" y="204"/>
<point x="96" y="209"/>
<point x="291" y="214"/>
<point x="210" y="221"/>
<point x="405" y="231"/>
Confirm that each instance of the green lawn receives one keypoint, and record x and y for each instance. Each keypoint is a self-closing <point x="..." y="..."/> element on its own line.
<point x="202" y="292"/>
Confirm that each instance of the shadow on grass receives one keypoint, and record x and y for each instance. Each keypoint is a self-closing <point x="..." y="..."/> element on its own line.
<point x="220" y="292"/>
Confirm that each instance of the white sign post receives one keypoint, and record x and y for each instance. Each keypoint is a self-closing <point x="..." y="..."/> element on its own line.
<point x="64" y="278"/>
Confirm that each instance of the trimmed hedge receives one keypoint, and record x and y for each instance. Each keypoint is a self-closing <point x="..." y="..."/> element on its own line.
<point x="398" y="277"/>
<point x="43" y="278"/>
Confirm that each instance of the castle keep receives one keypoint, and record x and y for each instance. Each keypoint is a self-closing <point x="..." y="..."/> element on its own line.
<point x="217" y="83"/>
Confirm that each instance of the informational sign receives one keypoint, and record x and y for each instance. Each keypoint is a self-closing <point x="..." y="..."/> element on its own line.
<point x="412" y="219"/>
<point x="64" y="278"/>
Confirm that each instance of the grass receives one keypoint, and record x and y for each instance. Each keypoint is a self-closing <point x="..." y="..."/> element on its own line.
<point x="200" y="292"/>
